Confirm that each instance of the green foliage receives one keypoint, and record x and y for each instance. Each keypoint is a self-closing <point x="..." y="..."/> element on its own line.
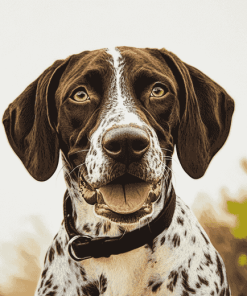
<point x="242" y="260"/>
<point x="240" y="210"/>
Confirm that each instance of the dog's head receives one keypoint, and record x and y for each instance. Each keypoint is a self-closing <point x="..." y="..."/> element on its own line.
<point x="116" y="116"/>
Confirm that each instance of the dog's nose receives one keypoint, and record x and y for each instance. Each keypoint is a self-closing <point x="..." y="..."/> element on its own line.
<point x="126" y="144"/>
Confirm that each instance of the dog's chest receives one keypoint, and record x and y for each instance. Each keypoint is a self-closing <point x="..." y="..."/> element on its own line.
<point x="133" y="273"/>
<point x="180" y="260"/>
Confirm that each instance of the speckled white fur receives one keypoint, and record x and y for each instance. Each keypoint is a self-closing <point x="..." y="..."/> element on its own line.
<point x="121" y="111"/>
<point x="181" y="261"/>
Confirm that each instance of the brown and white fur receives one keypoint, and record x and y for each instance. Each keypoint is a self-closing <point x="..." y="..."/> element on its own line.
<point x="193" y="113"/>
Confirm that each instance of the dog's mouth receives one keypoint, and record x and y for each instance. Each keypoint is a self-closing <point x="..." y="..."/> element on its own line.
<point x="126" y="199"/>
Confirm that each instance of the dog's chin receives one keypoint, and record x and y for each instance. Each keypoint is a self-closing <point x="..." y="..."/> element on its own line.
<point x="125" y="200"/>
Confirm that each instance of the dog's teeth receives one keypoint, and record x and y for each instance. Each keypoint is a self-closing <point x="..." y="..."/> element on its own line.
<point x="100" y="199"/>
<point x="146" y="209"/>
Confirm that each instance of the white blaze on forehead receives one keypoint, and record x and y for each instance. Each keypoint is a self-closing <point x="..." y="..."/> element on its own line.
<point x="118" y="69"/>
<point x="119" y="98"/>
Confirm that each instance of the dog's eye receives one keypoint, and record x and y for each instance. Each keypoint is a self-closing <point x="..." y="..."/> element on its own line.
<point x="158" y="91"/>
<point x="80" y="96"/>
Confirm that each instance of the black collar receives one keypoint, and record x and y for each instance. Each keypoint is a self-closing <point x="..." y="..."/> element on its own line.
<point x="82" y="247"/>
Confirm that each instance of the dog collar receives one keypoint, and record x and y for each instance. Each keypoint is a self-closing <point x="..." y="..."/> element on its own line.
<point x="81" y="247"/>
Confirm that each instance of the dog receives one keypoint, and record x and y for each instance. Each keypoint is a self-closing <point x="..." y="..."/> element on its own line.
<point x="116" y="116"/>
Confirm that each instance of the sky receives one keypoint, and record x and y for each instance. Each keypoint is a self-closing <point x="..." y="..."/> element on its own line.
<point x="209" y="35"/>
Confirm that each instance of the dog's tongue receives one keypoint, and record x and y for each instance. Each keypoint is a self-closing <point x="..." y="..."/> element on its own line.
<point x="125" y="198"/>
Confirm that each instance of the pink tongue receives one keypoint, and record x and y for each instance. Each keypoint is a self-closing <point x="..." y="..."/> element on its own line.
<point x="125" y="199"/>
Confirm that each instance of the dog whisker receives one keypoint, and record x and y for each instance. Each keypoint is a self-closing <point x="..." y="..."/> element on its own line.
<point x="79" y="172"/>
<point x="82" y="151"/>
<point x="60" y="170"/>
<point x="167" y="167"/>
<point x="67" y="175"/>
<point x="171" y="158"/>
<point x="80" y="165"/>
<point x="166" y="149"/>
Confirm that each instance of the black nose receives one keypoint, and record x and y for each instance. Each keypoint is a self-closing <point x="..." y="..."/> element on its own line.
<point x="126" y="144"/>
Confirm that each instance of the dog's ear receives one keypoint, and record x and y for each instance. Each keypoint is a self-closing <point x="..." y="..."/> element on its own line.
<point x="28" y="124"/>
<point x="205" y="116"/>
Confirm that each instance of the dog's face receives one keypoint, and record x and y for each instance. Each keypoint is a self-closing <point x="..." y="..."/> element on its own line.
<point x="111" y="111"/>
<point x="116" y="116"/>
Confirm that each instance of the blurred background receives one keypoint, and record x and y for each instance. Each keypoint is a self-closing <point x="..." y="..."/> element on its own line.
<point x="210" y="35"/>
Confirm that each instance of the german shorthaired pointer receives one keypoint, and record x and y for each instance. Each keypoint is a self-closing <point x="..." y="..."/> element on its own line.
<point x="116" y="116"/>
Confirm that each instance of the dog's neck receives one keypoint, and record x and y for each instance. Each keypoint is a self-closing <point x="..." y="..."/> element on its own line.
<point x="83" y="246"/>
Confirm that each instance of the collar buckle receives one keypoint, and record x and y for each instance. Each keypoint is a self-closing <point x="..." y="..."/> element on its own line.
<point x="82" y="247"/>
<point x="76" y="241"/>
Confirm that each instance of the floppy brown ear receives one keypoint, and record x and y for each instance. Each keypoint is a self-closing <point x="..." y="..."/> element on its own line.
<point x="205" y="116"/>
<point x="29" y="127"/>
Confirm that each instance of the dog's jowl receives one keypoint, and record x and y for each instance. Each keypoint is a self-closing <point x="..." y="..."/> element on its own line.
<point x="116" y="116"/>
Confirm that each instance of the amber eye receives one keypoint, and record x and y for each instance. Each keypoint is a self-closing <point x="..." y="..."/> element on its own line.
<point x="158" y="91"/>
<point x="81" y="96"/>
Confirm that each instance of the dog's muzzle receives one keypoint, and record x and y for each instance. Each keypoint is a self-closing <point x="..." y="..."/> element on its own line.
<point x="126" y="194"/>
